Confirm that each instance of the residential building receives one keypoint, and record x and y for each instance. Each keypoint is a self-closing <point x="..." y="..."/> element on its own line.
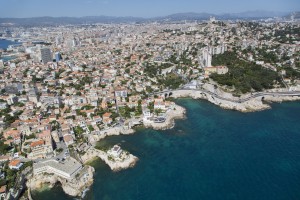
<point x="121" y="92"/>
<point x="115" y="151"/>
<point x="15" y="164"/>
<point x="57" y="56"/>
<point x="66" y="169"/>
<point x="217" y="69"/>
<point x="46" y="55"/>
<point x="39" y="149"/>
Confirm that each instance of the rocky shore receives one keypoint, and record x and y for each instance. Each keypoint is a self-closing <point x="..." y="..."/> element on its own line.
<point x="251" y="105"/>
<point x="76" y="186"/>
<point x="110" y="132"/>
<point x="176" y="112"/>
<point x="248" y="106"/>
<point x="126" y="161"/>
<point x="73" y="187"/>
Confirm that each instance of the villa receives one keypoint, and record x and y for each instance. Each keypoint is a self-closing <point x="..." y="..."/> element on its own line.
<point x="15" y="164"/>
<point x="115" y="151"/>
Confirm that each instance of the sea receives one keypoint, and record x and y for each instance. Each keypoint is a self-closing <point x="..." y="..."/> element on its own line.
<point x="4" y="45"/>
<point x="213" y="154"/>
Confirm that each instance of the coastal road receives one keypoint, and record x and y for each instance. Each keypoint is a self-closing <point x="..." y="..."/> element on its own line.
<point x="214" y="95"/>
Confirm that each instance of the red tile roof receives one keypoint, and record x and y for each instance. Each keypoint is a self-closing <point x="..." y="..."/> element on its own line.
<point x="14" y="163"/>
<point x="37" y="143"/>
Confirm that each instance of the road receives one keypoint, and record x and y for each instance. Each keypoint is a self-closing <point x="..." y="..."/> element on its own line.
<point x="241" y="100"/>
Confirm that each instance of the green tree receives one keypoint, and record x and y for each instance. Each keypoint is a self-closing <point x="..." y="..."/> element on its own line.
<point x="91" y="128"/>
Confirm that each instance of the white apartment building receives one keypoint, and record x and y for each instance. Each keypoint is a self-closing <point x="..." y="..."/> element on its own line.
<point x="66" y="169"/>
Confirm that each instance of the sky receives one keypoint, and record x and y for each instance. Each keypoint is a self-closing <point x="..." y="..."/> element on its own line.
<point x="137" y="8"/>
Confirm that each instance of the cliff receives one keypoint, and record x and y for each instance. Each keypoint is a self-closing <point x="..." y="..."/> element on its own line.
<point x="74" y="187"/>
<point x="126" y="161"/>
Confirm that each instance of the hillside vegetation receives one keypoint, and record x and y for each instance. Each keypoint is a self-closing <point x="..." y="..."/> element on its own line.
<point x="244" y="76"/>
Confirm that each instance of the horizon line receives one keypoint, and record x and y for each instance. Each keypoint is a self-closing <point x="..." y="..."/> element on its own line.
<point x="124" y="16"/>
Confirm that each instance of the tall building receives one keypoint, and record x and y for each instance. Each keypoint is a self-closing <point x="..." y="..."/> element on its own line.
<point x="46" y="55"/>
<point x="58" y="40"/>
<point x="57" y="56"/>
<point x="71" y="43"/>
<point x="206" y="58"/>
<point x="206" y="53"/>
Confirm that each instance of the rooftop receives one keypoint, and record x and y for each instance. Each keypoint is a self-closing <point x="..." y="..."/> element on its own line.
<point x="14" y="163"/>
<point x="68" y="166"/>
<point x="3" y="189"/>
<point x="37" y="143"/>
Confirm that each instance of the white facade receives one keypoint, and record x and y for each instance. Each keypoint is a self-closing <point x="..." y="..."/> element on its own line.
<point x="115" y="151"/>
<point x="17" y="167"/>
<point x="67" y="169"/>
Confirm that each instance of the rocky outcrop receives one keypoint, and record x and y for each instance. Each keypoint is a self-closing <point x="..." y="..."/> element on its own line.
<point x="231" y="102"/>
<point x="110" y="132"/>
<point x="73" y="187"/>
<point x="279" y="99"/>
<point x="248" y="106"/>
<point x="176" y="112"/>
<point x="127" y="161"/>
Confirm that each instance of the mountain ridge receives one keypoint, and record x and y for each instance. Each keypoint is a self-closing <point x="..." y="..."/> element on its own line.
<point x="48" y="20"/>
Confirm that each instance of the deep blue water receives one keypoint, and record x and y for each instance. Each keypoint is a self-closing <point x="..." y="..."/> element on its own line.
<point x="5" y="43"/>
<point x="214" y="154"/>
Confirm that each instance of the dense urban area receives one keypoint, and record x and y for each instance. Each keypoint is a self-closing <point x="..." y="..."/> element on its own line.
<point x="63" y="88"/>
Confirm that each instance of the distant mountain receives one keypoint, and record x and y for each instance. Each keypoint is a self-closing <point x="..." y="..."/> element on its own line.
<point x="187" y="16"/>
<point x="54" y="21"/>
<point x="295" y="15"/>
<point x="205" y="16"/>
<point x="259" y="14"/>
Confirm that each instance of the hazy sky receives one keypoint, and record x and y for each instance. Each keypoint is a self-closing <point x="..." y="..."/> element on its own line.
<point x="137" y="8"/>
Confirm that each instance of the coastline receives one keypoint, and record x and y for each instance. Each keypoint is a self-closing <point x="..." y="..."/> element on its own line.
<point x="175" y="112"/>
<point x="73" y="187"/>
<point x="127" y="161"/>
<point x="93" y="139"/>
<point x="233" y="103"/>
<point x="136" y="142"/>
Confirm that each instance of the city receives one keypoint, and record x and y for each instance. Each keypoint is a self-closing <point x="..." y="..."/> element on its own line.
<point x="64" y="88"/>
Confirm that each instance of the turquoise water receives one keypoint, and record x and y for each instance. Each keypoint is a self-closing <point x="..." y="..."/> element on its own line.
<point x="213" y="154"/>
